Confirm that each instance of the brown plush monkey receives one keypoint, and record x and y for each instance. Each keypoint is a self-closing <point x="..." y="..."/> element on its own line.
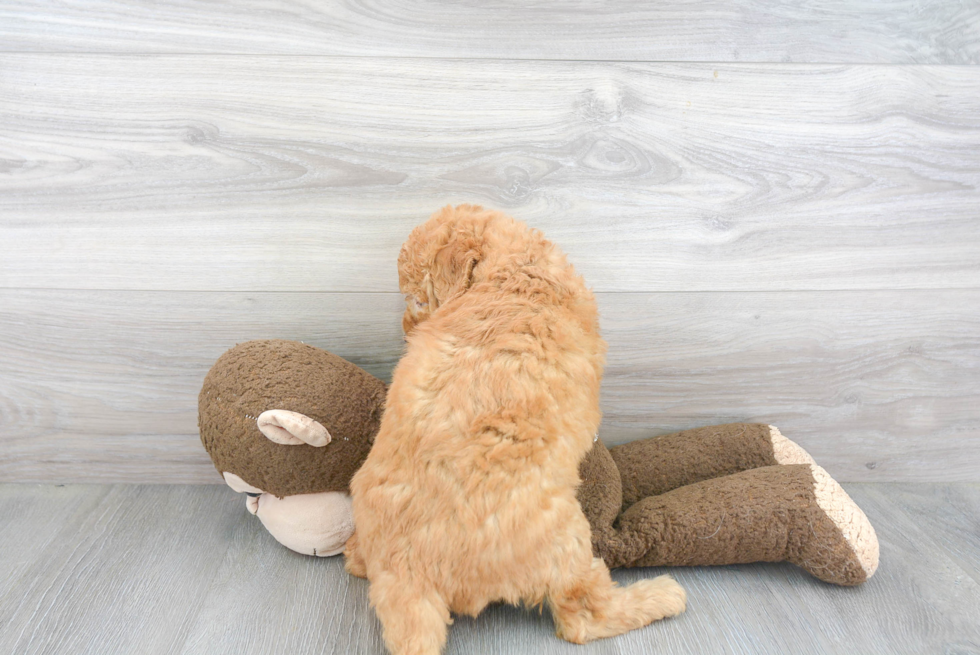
<point x="725" y="494"/>
<point x="289" y="424"/>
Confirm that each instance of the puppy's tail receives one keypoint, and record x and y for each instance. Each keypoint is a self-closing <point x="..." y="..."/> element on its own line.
<point x="592" y="606"/>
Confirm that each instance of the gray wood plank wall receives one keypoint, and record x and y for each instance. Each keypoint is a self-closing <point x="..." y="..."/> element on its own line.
<point x="796" y="243"/>
<point x="839" y="31"/>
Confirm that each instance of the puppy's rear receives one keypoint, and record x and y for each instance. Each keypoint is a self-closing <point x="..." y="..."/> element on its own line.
<point x="468" y="494"/>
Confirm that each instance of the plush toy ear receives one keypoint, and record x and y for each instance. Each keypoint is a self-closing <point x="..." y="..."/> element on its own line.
<point x="292" y="428"/>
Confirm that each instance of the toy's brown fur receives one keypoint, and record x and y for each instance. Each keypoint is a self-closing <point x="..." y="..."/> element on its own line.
<point x="273" y="374"/>
<point x="720" y="495"/>
<point x="468" y="494"/>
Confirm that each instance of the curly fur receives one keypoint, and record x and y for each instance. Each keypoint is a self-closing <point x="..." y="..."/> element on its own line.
<point x="468" y="494"/>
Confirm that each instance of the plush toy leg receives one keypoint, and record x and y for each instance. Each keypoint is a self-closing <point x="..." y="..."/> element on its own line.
<point x="795" y="513"/>
<point x="650" y="467"/>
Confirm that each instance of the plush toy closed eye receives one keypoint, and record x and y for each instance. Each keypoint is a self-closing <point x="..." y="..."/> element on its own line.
<point x="289" y="424"/>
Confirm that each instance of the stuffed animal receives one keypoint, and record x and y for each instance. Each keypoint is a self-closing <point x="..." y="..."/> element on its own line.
<point x="289" y="425"/>
<point x="726" y="494"/>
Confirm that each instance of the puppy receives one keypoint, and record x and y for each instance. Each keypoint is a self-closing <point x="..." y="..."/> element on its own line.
<point x="468" y="493"/>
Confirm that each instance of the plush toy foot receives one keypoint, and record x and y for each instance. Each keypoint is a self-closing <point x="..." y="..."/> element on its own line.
<point x="785" y="451"/>
<point x="650" y="467"/>
<point x="795" y="513"/>
<point x="849" y="555"/>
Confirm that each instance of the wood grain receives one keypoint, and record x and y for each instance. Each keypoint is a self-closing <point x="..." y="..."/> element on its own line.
<point x="128" y="575"/>
<point x="32" y="520"/>
<point x="271" y="600"/>
<point x="306" y="173"/>
<point x="948" y="515"/>
<point x="878" y="385"/>
<point x="184" y="569"/>
<point x="895" y="32"/>
<point x="912" y="564"/>
<point x="103" y="385"/>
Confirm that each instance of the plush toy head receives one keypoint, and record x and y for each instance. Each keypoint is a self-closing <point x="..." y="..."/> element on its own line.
<point x="289" y="424"/>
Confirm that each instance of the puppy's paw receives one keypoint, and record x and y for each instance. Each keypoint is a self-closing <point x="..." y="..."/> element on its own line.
<point x="659" y="598"/>
<point x="353" y="561"/>
<point x="355" y="568"/>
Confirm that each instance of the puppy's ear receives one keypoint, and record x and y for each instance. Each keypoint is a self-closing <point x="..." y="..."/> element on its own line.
<point x="430" y="291"/>
<point x="453" y="268"/>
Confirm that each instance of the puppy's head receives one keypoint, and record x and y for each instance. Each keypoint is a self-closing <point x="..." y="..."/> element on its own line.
<point x="437" y="263"/>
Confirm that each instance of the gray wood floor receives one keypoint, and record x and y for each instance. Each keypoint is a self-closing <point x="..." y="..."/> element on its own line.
<point x="108" y="569"/>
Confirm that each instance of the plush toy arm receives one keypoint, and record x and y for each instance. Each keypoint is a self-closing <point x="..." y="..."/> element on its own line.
<point x="793" y="513"/>
<point x="650" y="467"/>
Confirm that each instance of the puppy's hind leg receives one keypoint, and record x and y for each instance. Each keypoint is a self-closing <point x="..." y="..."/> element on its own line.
<point x="590" y="605"/>
<point x="414" y="619"/>
<point x="353" y="558"/>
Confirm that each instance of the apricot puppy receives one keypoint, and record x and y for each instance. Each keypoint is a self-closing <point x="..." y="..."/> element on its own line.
<point x="468" y="493"/>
